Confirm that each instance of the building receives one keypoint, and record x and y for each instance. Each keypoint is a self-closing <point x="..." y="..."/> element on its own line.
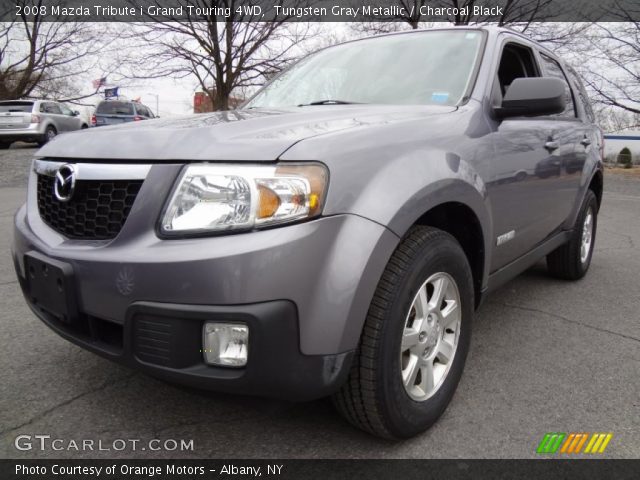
<point x="202" y="102"/>
<point x="615" y="142"/>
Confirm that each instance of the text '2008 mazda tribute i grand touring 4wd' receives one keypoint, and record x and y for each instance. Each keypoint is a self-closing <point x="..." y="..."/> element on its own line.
<point x="333" y="236"/>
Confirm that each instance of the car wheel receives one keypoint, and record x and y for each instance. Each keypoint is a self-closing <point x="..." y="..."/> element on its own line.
<point x="572" y="260"/>
<point x="4" y="145"/>
<point x="49" y="134"/>
<point x="415" y="338"/>
<point x="84" y="125"/>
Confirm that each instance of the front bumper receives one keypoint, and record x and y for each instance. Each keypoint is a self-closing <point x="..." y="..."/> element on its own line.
<point x="303" y="289"/>
<point x="165" y="341"/>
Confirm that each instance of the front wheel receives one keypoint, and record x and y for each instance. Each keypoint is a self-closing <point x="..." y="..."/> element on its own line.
<point x="572" y="260"/>
<point x="415" y="339"/>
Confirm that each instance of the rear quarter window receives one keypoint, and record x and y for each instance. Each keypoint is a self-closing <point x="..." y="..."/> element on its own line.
<point x="578" y="87"/>
<point x="115" y="108"/>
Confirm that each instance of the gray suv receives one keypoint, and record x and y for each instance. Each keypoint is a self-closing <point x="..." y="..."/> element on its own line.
<point x="332" y="237"/>
<point x="36" y="121"/>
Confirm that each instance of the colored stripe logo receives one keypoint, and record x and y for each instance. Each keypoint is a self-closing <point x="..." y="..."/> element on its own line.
<point x="555" y="442"/>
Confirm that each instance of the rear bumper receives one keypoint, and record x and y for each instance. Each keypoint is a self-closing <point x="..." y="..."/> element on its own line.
<point x="165" y="341"/>
<point x="27" y="134"/>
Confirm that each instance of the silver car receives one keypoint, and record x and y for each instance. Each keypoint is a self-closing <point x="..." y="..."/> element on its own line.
<point x="36" y="121"/>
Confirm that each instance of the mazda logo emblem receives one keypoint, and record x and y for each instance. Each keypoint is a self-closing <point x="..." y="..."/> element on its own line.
<point x="65" y="183"/>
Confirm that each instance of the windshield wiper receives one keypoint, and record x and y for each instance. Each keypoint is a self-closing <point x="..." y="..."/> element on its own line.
<point x="327" y="102"/>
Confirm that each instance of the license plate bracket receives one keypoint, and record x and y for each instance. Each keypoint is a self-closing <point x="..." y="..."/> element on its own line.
<point x="51" y="286"/>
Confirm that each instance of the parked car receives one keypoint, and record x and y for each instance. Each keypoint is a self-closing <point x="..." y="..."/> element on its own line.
<point x="333" y="236"/>
<point x="36" y="121"/>
<point x="111" y="112"/>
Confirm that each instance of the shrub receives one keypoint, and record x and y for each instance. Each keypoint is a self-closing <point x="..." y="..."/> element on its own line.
<point x="624" y="158"/>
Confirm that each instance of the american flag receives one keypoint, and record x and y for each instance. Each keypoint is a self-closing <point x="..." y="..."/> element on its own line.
<point x="99" y="82"/>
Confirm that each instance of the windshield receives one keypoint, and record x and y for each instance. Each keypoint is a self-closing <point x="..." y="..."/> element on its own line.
<point x="425" y="68"/>
<point x="16" y="106"/>
<point x="115" y="108"/>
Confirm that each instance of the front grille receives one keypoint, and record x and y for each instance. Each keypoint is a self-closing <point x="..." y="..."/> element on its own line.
<point x="97" y="210"/>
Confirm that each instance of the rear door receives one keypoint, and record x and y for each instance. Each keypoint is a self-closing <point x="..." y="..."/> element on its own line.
<point x="54" y="115"/>
<point x="590" y="134"/>
<point x="572" y="135"/>
<point x="15" y="114"/>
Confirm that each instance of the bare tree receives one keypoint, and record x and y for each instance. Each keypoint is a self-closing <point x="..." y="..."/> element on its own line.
<point x="226" y="54"/>
<point x="613" y="72"/>
<point x="525" y="16"/>
<point x="39" y="58"/>
<point x="613" y="119"/>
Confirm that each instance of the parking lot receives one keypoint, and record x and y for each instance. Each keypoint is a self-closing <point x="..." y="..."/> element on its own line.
<point x="546" y="356"/>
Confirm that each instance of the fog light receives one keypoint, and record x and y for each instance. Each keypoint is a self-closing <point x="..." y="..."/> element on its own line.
<point x="225" y="344"/>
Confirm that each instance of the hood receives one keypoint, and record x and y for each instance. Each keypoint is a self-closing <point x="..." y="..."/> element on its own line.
<point x="239" y="135"/>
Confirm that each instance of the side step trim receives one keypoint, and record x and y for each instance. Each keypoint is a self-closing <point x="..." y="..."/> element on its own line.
<point x="513" y="269"/>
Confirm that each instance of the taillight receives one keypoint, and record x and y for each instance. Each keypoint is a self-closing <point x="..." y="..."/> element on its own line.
<point x="93" y="120"/>
<point x="35" y="118"/>
<point x="137" y="118"/>
<point x="602" y="145"/>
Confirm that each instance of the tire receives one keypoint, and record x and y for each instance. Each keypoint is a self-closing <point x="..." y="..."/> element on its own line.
<point x="375" y="398"/>
<point x="84" y="126"/>
<point x="571" y="261"/>
<point x="49" y="134"/>
<point x="4" y="145"/>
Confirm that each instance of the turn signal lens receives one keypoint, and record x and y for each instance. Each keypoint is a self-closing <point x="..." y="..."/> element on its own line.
<point x="269" y="202"/>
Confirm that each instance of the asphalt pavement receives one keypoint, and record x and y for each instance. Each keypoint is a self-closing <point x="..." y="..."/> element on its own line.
<point x="546" y="356"/>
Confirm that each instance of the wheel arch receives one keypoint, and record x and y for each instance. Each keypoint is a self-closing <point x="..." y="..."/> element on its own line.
<point x="51" y="124"/>
<point x="597" y="185"/>
<point x="460" y="221"/>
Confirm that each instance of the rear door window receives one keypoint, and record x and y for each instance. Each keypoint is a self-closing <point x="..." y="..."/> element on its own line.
<point x="50" y="107"/>
<point x="553" y="69"/>
<point x="16" y="107"/>
<point x="115" y="108"/>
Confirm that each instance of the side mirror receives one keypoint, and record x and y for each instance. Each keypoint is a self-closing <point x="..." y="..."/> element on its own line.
<point x="529" y="97"/>
<point x="75" y="113"/>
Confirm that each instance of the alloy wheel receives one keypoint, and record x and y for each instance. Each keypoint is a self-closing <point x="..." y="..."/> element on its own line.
<point x="430" y="336"/>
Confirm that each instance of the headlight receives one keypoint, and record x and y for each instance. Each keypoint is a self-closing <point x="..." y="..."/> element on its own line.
<point x="210" y="198"/>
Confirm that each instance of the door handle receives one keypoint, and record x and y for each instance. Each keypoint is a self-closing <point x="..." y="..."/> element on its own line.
<point x="585" y="141"/>
<point x="551" y="145"/>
